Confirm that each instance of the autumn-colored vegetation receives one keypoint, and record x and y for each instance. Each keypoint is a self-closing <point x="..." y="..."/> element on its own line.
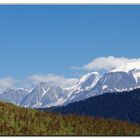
<point x="21" y="121"/>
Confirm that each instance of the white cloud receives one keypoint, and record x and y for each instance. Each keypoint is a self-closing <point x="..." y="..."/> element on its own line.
<point x="100" y="63"/>
<point x="8" y="82"/>
<point x="107" y="63"/>
<point x="32" y="80"/>
<point x="54" y="79"/>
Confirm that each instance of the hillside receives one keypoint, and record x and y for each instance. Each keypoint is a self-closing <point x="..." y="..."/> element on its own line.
<point x="120" y="106"/>
<point x="21" y="121"/>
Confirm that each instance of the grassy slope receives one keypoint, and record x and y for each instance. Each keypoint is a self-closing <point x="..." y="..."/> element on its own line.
<point x="20" y="121"/>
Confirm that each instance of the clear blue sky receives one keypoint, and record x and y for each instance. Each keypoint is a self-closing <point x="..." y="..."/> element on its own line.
<point x="51" y="39"/>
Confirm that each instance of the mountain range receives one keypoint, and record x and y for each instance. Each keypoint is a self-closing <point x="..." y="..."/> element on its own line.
<point x="92" y="84"/>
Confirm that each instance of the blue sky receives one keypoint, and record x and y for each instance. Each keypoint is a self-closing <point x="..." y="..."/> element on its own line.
<point x="52" y="39"/>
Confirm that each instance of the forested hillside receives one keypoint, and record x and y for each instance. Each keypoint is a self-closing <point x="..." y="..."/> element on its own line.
<point x="21" y="121"/>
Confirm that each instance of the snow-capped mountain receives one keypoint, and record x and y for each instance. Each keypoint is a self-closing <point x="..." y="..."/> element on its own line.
<point x="115" y="81"/>
<point x="121" y="79"/>
<point x="128" y="66"/>
<point x="13" y="95"/>
<point x="85" y="84"/>
<point x="43" y="95"/>
<point x="133" y="67"/>
<point x="88" y="81"/>
<point x="49" y="94"/>
<point x="110" y="82"/>
<point x="92" y="84"/>
<point x="46" y="95"/>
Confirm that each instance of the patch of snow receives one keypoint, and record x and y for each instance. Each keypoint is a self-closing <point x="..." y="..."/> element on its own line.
<point x="104" y="87"/>
<point x="128" y="67"/>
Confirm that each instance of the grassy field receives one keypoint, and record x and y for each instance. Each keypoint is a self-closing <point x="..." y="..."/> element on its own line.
<point x="20" y="121"/>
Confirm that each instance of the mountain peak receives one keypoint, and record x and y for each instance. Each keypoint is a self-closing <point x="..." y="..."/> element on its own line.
<point x="128" y="67"/>
<point x="133" y="68"/>
<point x="89" y="75"/>
<point x="88" y="80"/>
